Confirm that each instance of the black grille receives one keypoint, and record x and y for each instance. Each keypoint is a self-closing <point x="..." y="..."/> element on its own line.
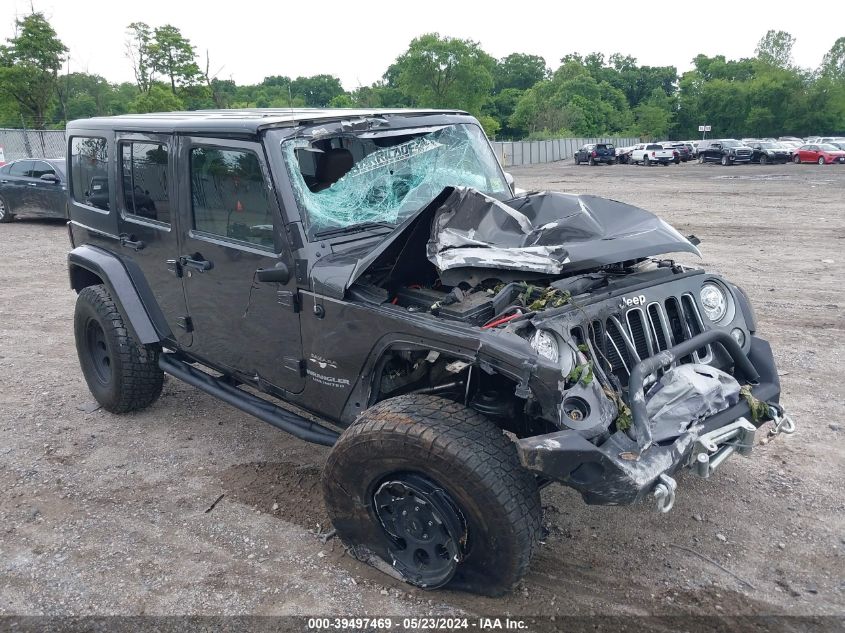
<point x="641" y="332"/>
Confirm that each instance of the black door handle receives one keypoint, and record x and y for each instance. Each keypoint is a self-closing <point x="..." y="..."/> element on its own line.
<point x="196" y="262"/>
<point x="129" y="241"/>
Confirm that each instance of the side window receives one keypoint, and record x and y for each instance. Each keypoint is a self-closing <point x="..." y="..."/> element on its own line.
<point x="89" y="182"/>
<point x="143" y="169"/>
<point x="229" y="196"/>
<point x="39" y="168"/>
<point x="21" y="168"/>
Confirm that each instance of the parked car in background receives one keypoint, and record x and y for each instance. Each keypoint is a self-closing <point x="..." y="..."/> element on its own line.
<point x="791" y="146"/>
<point x="791" y="139"/>
<point x="683" y="151"/>
<point x="821" y="153"/>
<point x="649" y="153"/>
<point x="839" y="144"/>
<point x="727" y="151"/>
<point x="623" y="154"/>
<point x="765" y="152"/>
<point x="595" y="153"/>
<point x="33" y="186"/>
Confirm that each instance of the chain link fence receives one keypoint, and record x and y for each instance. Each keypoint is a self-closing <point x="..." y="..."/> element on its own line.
<point x="15" y="143"/>
<point x="517" y="153"/>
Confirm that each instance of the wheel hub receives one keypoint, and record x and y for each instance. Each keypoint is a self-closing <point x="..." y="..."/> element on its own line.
<point x="427" y="532"/>
<point x="98" y="351"/>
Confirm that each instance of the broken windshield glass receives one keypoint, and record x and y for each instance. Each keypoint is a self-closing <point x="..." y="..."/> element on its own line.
<point x="353" y="179"/>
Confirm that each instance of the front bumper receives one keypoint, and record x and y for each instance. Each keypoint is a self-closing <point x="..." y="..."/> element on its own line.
<point x="619" y="471"/>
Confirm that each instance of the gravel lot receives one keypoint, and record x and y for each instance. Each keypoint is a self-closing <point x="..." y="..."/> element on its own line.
<point x="110" y="515"/>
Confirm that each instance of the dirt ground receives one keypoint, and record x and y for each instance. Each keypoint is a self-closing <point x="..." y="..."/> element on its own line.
<point x="101" y="514"/>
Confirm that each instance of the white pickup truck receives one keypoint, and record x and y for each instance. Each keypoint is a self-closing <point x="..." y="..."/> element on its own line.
<point x="648" y="153"/>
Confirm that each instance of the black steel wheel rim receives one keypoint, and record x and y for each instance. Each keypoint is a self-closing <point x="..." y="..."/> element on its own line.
<point x="2" y="208"/>
<point x="98" y="351"/>
<point x="426" y="531"/>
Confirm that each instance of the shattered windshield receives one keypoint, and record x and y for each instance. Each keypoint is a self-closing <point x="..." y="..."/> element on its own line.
<point x="383" y="177"/>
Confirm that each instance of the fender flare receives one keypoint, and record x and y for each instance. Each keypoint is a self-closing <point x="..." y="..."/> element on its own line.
<point x="90" y="265"/>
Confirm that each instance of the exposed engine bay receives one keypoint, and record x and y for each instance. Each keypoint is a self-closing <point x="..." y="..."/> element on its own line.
<point x="461" y="260"/>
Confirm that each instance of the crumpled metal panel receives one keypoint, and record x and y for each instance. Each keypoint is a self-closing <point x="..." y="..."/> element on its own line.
<point x="686" y="394"/>
<point x="546" y="232"/>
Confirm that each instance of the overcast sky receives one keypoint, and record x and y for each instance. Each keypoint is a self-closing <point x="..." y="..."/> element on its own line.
<point x="356" y="41"/>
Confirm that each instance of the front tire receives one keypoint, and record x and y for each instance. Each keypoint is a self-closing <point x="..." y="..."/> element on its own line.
<point x="725" y="161"/>
<point x="441" y="461"/>
<point x="821" y="160"/>
<point x="796" y="159"/>
<point x="121" y="374"/>
<point x="6" y="214"/>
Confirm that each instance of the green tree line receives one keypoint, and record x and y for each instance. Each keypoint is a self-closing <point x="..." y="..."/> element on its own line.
<point x="518" y="96"/>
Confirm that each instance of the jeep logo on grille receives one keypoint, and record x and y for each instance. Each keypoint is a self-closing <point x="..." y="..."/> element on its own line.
<point x="627" y="302"/>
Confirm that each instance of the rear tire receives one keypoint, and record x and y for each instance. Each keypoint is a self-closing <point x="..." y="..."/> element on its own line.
<point x="121" y="374"/>
<point x="6" y="214"/>
<point x="764" y="160"/>
<point x="646" y="161"/>
<point x="592" y="162"/>
<point x="461" y="467"/>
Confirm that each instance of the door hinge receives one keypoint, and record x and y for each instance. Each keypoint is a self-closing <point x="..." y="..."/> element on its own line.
<point x="294" y="364"/>
<point x="289" y="299"/>
<point x="186" y="323"/>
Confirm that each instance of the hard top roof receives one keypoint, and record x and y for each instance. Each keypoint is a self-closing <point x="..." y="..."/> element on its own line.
<point x="243" y="121"/>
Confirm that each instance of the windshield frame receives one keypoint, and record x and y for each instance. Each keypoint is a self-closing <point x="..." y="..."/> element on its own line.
<point x="393" y="123"/>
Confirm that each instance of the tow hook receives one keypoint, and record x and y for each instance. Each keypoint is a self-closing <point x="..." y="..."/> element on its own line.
<point x="664" y="493"/>
<point x="781" y="422"/>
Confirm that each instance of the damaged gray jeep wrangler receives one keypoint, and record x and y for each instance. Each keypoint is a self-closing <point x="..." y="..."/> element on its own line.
<point x="459" y="346"/>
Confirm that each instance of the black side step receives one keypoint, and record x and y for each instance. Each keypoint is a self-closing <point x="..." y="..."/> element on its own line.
<point x="283" y="419"/>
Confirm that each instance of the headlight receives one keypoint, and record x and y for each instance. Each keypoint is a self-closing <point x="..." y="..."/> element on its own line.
<point x="545" y="344"/>
<point x="714" y="301"/>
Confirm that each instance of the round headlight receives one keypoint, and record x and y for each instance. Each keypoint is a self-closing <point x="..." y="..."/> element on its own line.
<point x="714" y="301"/>
<point x="739" y="336"/>
<point x="545" y="344"/>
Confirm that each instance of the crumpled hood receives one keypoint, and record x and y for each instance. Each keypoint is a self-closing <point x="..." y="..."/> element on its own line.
<point x="543" y="233"/>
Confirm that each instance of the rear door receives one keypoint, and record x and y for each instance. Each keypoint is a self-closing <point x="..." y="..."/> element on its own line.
<point x="232" y="227"/>
<point x="146" y="189"/>
<point x="14" y="185"/>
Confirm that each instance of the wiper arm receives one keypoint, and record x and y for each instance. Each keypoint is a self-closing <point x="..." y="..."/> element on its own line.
<point x="355" y="228"/>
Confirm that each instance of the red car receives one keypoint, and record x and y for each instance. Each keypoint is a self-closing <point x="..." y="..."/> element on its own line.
<point x="821" y="153"/>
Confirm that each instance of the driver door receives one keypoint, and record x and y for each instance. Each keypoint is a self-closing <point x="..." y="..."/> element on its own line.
<point x="233" y="227"/>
